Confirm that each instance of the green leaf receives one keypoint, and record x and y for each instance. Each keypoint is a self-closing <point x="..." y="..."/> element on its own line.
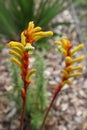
<point x="1" y="47"/>
<point x="15" y="15"/>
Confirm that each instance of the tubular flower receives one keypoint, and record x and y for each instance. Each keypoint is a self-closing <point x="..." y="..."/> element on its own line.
<point x="65" y="47"/>
<point x="33" y="34"/>
<point x="22" y="50"/>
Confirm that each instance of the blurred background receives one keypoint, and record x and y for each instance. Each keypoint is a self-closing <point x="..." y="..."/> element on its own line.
<point x="65" y="18"/>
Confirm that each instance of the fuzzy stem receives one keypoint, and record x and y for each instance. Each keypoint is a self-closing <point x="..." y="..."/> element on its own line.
<point x="57" y="90"/>
<point x="25" y="60"/>
<point x="22" y="114"/>
<point x="24" y="98"/>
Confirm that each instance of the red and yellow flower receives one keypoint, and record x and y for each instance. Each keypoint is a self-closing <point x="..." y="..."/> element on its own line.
<point x="21" y="50"/>
<point x="66" y="48"/>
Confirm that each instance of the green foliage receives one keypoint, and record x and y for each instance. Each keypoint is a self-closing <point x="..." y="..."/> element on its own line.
<point x="40" y="81"/>
<point x="16" y="76"/>
<point x="17" y="83"/>
<point x="37" y="95"/>
<point x="15" y="15"/>
<point x="1" y="47"/>
<point x="7" y="27"/>
<point x="36" y="121"/>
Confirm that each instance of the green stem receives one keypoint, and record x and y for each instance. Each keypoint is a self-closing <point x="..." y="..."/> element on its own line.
<point x="57" y="90"/>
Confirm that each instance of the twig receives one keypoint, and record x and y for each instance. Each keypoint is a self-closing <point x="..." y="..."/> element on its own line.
<point x="57" y="90"/>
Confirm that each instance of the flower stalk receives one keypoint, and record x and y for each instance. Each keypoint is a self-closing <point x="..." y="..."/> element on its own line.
<point x="21" y="52"/>
<point x="65" y="46"/>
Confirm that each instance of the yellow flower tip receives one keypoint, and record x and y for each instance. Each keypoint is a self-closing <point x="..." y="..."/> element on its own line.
<point x="78" y="68"/>
<point x="18" y="55"/>
<point x="75" y="75"/>
<point x="32" y="71"/>
<point x="57" y="42"/>
<point x="39" y="35"/>
<point x="17" y="49"/>
<point x="30" y="25"/>
<point x="72" y="68"/>
<point x="44" y="34"/>
<point x="78" y="59"/>
<point x="76" y="49"/>
<point x="49" y="33"/>
<point x="82" y="57"/>
<point x="66" y="43"/>
<point x="10" y="44"/>
<point x="16" y="61"/>
<point x="15" y="44"/>
<point x="37" y="29"/>
<point x="23" y="38"/>
<point x="81" y="45"/>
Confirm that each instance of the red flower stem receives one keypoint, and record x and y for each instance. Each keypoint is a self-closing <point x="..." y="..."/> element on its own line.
<point x="22" y="114"/>
<point x="57" y="90"/>
<point x="25" y="59"/>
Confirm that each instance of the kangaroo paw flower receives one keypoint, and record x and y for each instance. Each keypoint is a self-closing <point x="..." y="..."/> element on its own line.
<point x="65" y="47"/>
<point x="76" y="49"/>
<point x="16" y="61"/>
<point x="77" y="59"/>
<point x="20" y="52"/>
<point x="32" y="71"/>
<point x="33" y="34"/>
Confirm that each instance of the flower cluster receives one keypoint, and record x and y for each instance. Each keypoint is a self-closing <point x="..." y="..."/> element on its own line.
<point x="66" y="48"/>
<point x="21" y="53"/>
<point x="33" y="34"/>
<point x="22" y="50"/>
